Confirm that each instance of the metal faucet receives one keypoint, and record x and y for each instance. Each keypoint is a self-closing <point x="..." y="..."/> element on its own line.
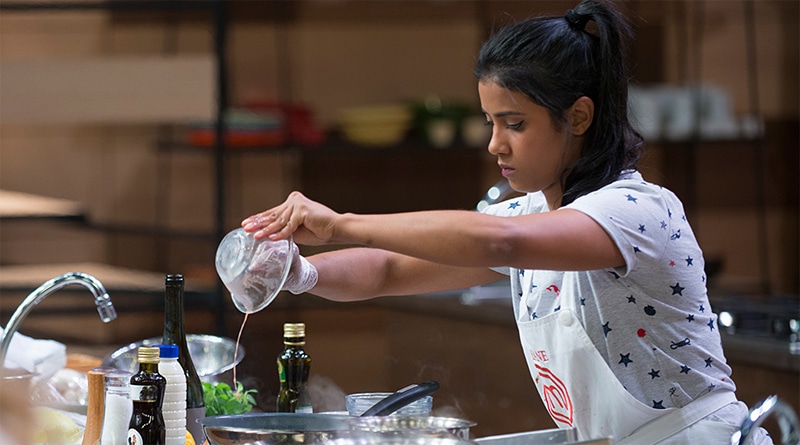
<point x="786" y="417"/>
<point x="104" y="306"/>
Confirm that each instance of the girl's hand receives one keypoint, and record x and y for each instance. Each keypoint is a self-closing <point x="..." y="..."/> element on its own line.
<point x="310" y="223"/>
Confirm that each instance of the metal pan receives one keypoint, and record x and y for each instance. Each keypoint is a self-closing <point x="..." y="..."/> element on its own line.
<point x="300" y="428"/>
<point x="275" y="428"/>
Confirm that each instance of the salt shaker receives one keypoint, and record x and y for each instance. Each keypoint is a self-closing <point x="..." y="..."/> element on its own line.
<point x="118" y="408"/>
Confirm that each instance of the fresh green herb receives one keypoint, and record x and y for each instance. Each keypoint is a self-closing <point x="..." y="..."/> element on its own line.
<point x="221" y="399"/>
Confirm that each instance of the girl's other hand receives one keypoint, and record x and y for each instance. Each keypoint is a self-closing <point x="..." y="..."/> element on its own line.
<point x="310" y="222"/>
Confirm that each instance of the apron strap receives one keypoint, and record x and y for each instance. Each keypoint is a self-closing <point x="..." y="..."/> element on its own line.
<point x="680" y="419"/>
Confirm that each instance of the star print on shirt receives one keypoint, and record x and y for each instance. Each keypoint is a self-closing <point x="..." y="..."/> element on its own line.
<point x="658" y="405"/>
<point x="671" y="263"/>
<point x="685" y="369"/>
<point x="654" y="374"/>
<point x="689" y="261"/>
<point x="534" y="316"/>
<point x="632" y="299"/>
<point x="606" y="329"/>
<point x="711" y="324"/>
<point x="664" y="225"/>
<point x="641" y="228"/>
<point x="690" y="317"/>
<point x="702" y="309"/>
<point x="583" y="302"/>
<point x="631" y="198"/>
<point x="636" y="249"/>
<point x="513" y="205"/>
<point x="709" y="361"/>
<point x="711" y="387"/>
<point x="624" y="359"/>
<point x="677" y="289"/>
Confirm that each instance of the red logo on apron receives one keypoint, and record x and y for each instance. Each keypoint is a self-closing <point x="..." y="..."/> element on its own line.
<point x="555" y="395"/>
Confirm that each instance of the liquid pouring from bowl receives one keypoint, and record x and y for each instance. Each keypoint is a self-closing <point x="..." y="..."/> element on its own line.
<point x="254" y="271"/>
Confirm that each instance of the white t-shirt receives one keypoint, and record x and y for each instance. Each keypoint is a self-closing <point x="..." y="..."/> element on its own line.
<point x="651" y="319"/>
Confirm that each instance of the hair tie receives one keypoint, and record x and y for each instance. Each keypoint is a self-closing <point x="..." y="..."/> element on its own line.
<point x="576" y="20"/>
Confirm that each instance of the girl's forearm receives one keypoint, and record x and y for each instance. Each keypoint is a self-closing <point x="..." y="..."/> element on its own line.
<point x="458" y="238"/>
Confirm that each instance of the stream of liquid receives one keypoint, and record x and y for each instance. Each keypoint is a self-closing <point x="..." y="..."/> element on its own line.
<point x="236" y="349"/>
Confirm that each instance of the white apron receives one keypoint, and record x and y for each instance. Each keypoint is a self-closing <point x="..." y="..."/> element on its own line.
<point x="580" y="391"/>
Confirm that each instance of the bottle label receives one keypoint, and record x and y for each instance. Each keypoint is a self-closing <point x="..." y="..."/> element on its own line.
<point x="134" y="438"/>
<point x="144" y="393"/>
<point x="281" y="372"/>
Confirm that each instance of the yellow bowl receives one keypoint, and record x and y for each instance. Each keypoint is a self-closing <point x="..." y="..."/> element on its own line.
<point x="375" y="126"/>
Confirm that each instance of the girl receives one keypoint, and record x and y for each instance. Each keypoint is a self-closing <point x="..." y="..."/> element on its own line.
<point x="607" y="278"/>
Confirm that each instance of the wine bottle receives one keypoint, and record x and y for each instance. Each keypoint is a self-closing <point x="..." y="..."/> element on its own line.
<point x="294" y="365"/>
<point x="175" y="334"/>
<point x="146" y="426"/>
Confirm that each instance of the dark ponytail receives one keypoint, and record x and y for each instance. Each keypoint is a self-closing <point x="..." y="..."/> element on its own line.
<point x="556" y="60"/>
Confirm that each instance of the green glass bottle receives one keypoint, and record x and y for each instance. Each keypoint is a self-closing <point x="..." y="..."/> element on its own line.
<point x="294" y="365"/>
<point x="146" y="426"/>
<point x="175" y="334"/>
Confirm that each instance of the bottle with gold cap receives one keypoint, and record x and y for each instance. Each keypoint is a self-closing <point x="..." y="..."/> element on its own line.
<point x="294" y="365"/>
<point x="146" y="426"/>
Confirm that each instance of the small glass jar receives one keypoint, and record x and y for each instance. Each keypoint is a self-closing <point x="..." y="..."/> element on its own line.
<point x="118" y="408"/>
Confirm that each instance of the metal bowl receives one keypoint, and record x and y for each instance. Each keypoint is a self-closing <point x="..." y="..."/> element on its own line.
<point x="212" y="355"/>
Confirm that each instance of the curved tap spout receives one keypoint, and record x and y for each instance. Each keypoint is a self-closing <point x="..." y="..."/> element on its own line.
<point x="786" y="417"/>
<point x="101" y="299"/>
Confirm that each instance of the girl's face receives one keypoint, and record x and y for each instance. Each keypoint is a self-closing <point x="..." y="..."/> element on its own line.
<point x="532" y="151"/>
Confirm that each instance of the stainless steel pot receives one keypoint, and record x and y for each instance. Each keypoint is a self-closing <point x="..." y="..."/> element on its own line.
<point x="400" y="440"/>
<point x="297" y="428"/>
<point x="275" y="428"/>
<point x="413" y="426"/>
<point x="301" y="428"/>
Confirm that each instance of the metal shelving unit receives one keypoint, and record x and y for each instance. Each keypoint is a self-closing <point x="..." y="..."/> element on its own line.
<point x="218" y="12"/>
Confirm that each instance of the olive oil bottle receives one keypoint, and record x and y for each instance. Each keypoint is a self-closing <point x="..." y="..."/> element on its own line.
<point x="175" y="334"/>
<point x="294" y="365"/>
<point x="146" y="426"/>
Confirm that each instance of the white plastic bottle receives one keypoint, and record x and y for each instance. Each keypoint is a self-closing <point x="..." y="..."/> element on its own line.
<point x="174" y="406"/>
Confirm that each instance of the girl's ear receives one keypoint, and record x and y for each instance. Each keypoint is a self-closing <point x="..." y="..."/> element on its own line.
<point x="580" y="115"/>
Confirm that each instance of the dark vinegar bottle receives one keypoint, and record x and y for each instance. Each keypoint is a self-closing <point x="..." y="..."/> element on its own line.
<point x="294" y="365"/>
<point x="175" y="334"/>
<point x="146" y="426"/>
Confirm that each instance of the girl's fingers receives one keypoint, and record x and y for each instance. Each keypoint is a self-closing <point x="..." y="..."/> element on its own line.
<point x="277" y="225"/>
<point x="260" y="220"/>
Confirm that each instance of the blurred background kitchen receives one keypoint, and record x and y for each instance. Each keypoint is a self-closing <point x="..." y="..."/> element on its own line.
<point x="110" y="165"/>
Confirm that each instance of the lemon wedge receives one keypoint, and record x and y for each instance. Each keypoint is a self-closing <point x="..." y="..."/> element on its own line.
<point x="53" y="427"/>
<point x="189" y="438"/>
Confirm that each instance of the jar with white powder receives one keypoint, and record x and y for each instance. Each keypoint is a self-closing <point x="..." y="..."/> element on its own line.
<point x="118" y="408"/>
